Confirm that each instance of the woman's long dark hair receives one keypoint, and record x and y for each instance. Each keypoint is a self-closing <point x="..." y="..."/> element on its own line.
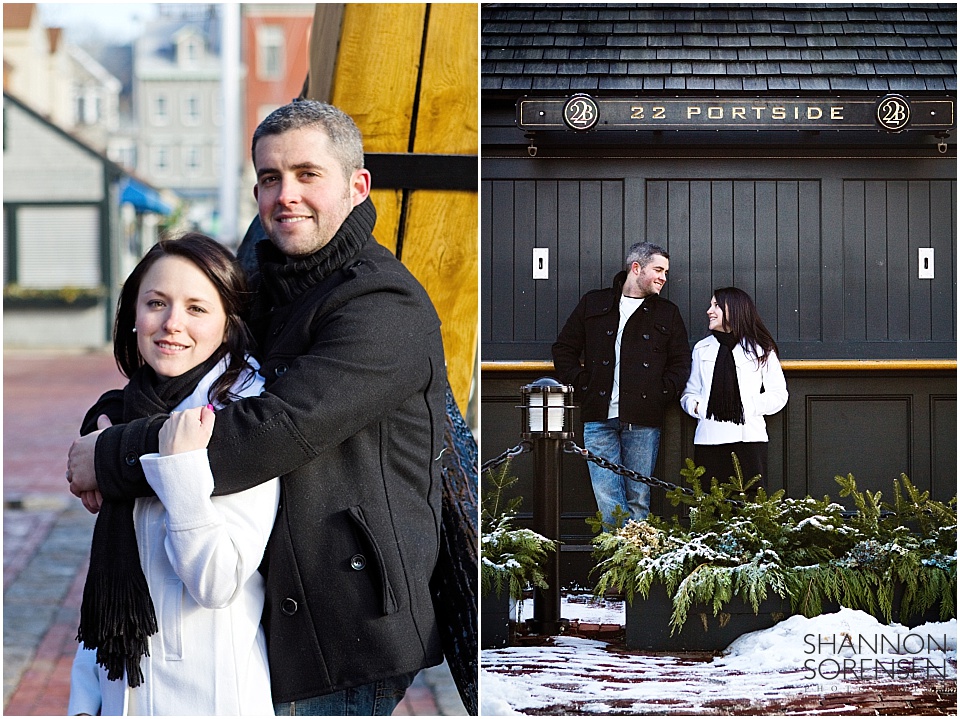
<point x="741" y="317"/>
<point x="222" y="269"/>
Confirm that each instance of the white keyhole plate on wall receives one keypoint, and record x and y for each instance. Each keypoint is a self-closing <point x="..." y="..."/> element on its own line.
<point x="926" y="263"/>
<point x="541" y="263"/>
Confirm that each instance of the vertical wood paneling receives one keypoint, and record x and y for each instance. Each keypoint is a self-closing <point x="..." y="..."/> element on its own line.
<point x="486" y="264"/>
<point x="611" y="229"/>
<point x="634" y="211"/>
<point x="547" y="296"/>
<point x="918" y="231"/>
<point x="854" y="261"/>
<point x="502" y="261"/>
<point x="809" y="248"/>
<point x="829" y="261"/>
<point x="943" y="236"/>
<point x="673" y="233"/>
<point x="744" y="237"/>
<point x="875" y="270"/>
<point x="899" y="262"/>
<point x="524" y="225"/>
<point x="568" y="248"/>
<point x="591" y="260"/>
<point x="701" y="266"/>
<point x="767" y="278"/>
<point x="721" y="232"/>
<point x="831" y="275"/>
<point x="788" y="263"/>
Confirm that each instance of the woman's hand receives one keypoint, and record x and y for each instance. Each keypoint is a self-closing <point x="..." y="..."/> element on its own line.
<point x="187" y="431"/>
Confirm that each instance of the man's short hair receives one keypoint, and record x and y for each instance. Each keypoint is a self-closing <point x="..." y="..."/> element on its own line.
<point x="345" y="139"/>
<point x="643" y="252"/>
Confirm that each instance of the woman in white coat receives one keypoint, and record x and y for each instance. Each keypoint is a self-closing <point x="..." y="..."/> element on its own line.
<point x="735" y="381"/>
<point x="170" y="622"/>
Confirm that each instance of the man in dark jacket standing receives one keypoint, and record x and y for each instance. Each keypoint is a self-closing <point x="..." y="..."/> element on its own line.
<point x="625" y="351"/>
<point x="351" y="419"/>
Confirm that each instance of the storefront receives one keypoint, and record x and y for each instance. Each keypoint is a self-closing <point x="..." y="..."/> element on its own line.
<point x="806" y="154"/>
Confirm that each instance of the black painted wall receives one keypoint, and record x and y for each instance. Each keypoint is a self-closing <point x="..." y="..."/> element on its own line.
<point x="825" y="241"/>
<point x="827" y="246"/>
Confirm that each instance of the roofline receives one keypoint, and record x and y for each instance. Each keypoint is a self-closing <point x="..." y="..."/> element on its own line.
<point x="113" y="168"/>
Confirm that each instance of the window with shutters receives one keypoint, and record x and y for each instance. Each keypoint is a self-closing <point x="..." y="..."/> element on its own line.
<point x="161" y="109"/>
<point x="191" y="109"/>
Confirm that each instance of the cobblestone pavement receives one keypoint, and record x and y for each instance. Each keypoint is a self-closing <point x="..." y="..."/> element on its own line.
<point x="46" y="535"/>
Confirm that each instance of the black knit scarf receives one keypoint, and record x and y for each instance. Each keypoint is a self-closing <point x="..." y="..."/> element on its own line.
<point x="725" y="404"/>
<point x="283" y="279"/>
<point x="117" y="615"/>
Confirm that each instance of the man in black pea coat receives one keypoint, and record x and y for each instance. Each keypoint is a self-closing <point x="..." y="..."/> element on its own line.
<point x="624" y="350"/>
<point x="351" y="419"/>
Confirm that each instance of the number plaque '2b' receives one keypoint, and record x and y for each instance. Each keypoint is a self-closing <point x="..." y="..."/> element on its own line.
<point x="581" y="112"/>
<point x="893" y="112"/>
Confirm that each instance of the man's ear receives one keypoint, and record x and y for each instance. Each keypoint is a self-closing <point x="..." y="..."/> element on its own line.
<point x="256" y="191"/>
<point x="359" y="186"/>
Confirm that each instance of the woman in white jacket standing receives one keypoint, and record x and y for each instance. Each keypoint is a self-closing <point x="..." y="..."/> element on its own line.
<point x="735" y="380"/>
<point x="170" y="621"/>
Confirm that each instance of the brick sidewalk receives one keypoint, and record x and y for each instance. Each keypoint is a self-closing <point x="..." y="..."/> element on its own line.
<point x="46" y="535"/>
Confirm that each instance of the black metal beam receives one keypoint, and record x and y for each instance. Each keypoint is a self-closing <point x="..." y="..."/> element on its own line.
<point x="418" y="171"/>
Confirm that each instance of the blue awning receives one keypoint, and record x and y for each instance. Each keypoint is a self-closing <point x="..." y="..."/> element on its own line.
<point x="143" y="198"/>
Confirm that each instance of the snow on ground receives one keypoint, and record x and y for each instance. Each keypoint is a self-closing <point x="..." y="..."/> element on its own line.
<point x="826" y="654"/>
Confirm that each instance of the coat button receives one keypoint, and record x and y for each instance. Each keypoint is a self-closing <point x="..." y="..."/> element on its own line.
<point x="646" y="337"/>
<point x="646" y="364"/>
<point x="288" y="606"/>
<point x="609" y="333"/>
<point x="643" y="394"/>
<point x="603" y="393"/>
<point x="130" y="458"/>
<point x="358" y="562"/>
<point x="281" y="370"/>
<point x="606" y="362"/>
<point x="584" y="388"/>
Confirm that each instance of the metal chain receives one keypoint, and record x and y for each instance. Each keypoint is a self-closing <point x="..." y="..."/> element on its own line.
<point x="571" y="448"/>
<point x="491" y="464"/>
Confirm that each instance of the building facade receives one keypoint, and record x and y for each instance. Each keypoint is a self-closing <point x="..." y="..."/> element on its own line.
<point x="75" y="222"/>
<point x="178" y="106"/>
<point x="806" y="154"/>
<point x="275" y="42"/>
<point x="61" y="203"/>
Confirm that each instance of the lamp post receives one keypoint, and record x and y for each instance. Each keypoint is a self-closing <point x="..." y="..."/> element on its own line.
<point x="546" y="421"/>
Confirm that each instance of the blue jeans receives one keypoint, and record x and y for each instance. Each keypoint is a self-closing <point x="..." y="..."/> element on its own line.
<point x="631" y="445"/>
<point x="377" y="699"/>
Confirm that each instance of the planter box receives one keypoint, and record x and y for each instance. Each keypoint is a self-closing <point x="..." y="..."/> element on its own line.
<point x="495" y="621"/>
<point x="648" y="621"/>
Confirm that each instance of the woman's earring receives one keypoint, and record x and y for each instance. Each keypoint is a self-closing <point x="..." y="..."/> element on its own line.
<point x="134" y="330"/>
